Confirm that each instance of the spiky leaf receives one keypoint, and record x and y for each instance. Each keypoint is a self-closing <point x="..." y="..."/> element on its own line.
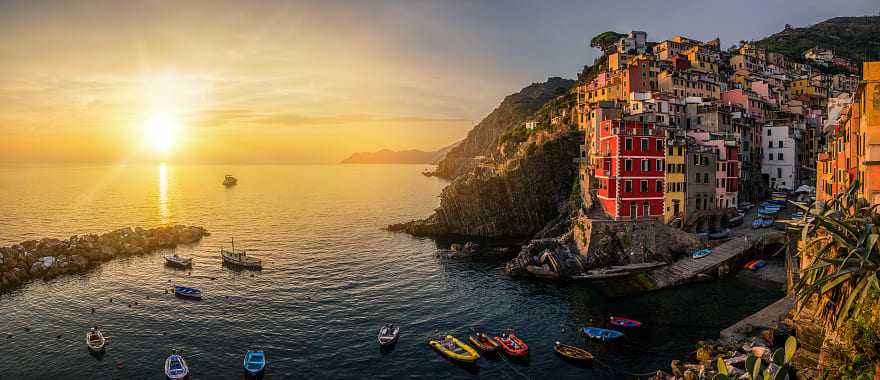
<point x="790" y="348"/>
<point x="778" y="356"/>
<point x="722" y="366"/>
<point x="750" y="363"/>
<point x="782" y="372"/>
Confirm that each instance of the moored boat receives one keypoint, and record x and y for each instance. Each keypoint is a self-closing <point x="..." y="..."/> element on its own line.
<point x="766" y="223"/>
<point x="254" y="362"/>
<point x="736" y="220"/>
<point x="229" y="180"/>
<point x="187" y="292"/>
<point x="454" y="349"/>
<point x="178" y="261"/>
<point x="240" y="258"/>
<point x="95" y="340"/>
<point x="755" y="265"/>
<point x="388" y="334"/>
<point x="175" y="367"/>
<point x="624" y="322"/>
<point x="719" y="234"/>
<point x="572" y="352"/>
<point x="483" y="342"/>
<point x="756" y="224"/>
<point x="601" y="334"/>
<point x="699" y="254"/>
<point x="512" y="345"/>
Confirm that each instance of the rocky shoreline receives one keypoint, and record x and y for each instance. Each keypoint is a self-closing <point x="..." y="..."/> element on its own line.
<point x="48" y="257"/>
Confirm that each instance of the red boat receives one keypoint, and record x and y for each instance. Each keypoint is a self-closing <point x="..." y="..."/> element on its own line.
<point x="512" y="345"/>
<point x="483" y="342"/>
<point x="625" y="322"/>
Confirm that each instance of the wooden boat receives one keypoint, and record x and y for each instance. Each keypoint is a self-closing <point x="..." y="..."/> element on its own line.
<point x="95" y="340"/>
<point x="175" y="367"/>
<point x="229" y="180"/>
<point x="183" y="291"/>
<point x="701" y="253"/>
<point x="388" y="335"/>
<point x="719" y="234"/>
<point x="572" y="352"/>
<point x="602" y="334"/>
<point x="254" y="362"/>
<point x="178" y="261"/>
<point x="239" y="258"/>
<point x="454" y="349"/>
<point x="624" y="322"/>
<point x="483" y="342"/>
<point x="511" y="345"/>
<point x="755" y="265"/>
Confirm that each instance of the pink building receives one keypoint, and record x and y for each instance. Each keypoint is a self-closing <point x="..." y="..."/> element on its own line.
<point x="750" y="101"/>
<point x="762" y="89"/>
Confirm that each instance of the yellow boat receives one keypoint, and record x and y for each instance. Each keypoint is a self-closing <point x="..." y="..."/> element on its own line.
<point x="455" y="349"/>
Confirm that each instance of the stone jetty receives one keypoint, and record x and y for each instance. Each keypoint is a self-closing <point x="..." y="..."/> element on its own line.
<point x="48" y="257"/>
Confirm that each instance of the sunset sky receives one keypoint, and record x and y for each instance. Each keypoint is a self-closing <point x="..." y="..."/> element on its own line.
<point x="301" y="81"/>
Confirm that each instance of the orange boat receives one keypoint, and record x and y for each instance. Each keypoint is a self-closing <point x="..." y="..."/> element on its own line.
<point x="512" y="345"/>
<point x="483" y="342"/>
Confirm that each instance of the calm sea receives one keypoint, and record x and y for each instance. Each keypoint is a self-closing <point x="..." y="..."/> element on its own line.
<point x="332" y="276"/>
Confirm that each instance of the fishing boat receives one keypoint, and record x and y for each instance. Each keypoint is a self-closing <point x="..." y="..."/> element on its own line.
<point x="602" y="334"/>
<point x="229" y="180"/>
<point x="755" y="265"/>
<point x="701" y="253"/>
<point x="512" y="345"/>
<point x="483" y="342"/>
<point x="178" y="261"/>
<point x="95" y="340"/>
<point x="572" y="352"/>
<point x="186" y="292"/>
<point x="175" y="367"/>
<point x="254" y="362"/>
<point x="388" y="335"/>
<point x="454" y="349"/>
<point x="625" y="322"/>
<point x="239" y="258"/>
<point x="719" y="234"/>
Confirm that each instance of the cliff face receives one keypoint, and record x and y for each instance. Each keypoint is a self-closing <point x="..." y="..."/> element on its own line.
<point x="854" y="38"/>
<point x="517" y="197"/>
<point x="483" y="138"/>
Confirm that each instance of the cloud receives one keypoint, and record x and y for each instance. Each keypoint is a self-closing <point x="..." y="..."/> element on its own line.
<point x="242" y="116"/>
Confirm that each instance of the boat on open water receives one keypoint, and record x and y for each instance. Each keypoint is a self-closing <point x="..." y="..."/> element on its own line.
<point x="388" y="335"/>
<point x="601" y="334"/>
<point x="178" y="261"/>
<point x="175" y="367"/>
<point x="229" y="181"/>
<point x="95" y="340"/>
<point x="454" y="349"/>
<point x="573" y="353"/>
<point x="254" y="362"/>
<point x="187" y="292"/>
<point x="239" y="258"/>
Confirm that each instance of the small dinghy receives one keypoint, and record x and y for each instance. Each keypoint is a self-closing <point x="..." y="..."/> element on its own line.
<point x="254" y="362"/>
<point x="455" y="349"/>
<point x="175" y="367"/>
<point x="512" y="345"/>
<point x="701" y="253"/>
<point x="95" y="340"/>
<point x="183" y="291"/>
<point x="178" y="261"/>
<point x="572" y="352"/>
<point x="755" y="265"/>
<point x="229" y="180"/>
<point x="483" y="342"/>
<point x="388" y="335"/>
<point x="625" y="322"/>
<point x="602" y="334"/>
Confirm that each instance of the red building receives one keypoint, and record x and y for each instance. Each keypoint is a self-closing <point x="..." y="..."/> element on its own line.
<point x="629" y="169"/>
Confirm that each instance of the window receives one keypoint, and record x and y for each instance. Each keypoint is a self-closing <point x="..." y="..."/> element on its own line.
<point x="770" y="156"/>
<point x="644" y="144"/>
<point x="646" y="165"/>
<point x="659" y="186"/>
<point x="628" y="165"/>
<point x="627" y="186"/>
<point x="669" y="151"/>
<point x="696" y="160"/>
<point x="659" y="145"/>
<point x="769" y="132"/>
<point x="643" y="186"/>
<point x="778" y="172"/>
<point x="628" y="144"/>
<point x="769" y="143"/>
<point x="706" y="178"/>
<point x="779" y="156"/>
<point x="779" y="144"/>
<point x="660" y="165"/>
<point x="646" y="209"/>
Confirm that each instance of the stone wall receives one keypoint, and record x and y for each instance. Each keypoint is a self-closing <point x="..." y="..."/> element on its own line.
<point x="605" y="243"/>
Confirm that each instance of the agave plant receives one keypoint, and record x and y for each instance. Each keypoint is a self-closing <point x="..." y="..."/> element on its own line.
<point x="842" y="245"/>
<point x="757" y="370"/>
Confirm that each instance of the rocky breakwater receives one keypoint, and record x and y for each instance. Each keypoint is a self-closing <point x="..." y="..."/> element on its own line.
<point x="48" y="257"/>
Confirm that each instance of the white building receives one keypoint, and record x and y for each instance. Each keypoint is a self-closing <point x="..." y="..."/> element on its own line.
<point x="780" y="161"/>
<point x="635" y="41"/>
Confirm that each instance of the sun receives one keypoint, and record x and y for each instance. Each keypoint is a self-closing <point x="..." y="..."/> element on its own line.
<point x="160" y="132"/>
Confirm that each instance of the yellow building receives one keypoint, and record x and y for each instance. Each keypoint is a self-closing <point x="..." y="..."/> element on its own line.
<point x="689" y="83"/>
<point x="701" y="60"/>
<point x="676" y="180"/>
<point x="806" y="87"/>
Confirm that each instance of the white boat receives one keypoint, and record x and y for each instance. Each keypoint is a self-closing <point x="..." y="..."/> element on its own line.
<point x="230" y="181"/>
<point x="240" y="258"/>
<point x="388" y="335"/>
<point x="95" y="340"/>
<point x="179" y="261"/>
<point x="175" y="367"/>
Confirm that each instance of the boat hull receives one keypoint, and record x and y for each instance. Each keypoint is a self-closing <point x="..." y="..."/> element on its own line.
<point x="512" y="346"/>
<point x="625" y="322"/>
<point x="573" y="353"/>
<point x="602" y="334"/>
<point x="254" y="363"/>
<point x="468" y="356"/>
<point x="483" y="343"/>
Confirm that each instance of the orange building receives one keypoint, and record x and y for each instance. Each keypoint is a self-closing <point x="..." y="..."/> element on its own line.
<point x="852" y="150"/>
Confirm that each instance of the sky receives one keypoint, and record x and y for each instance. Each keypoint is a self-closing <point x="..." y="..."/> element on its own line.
<point x="309" y="81"/>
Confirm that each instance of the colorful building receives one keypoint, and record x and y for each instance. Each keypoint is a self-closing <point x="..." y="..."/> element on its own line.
<point x="629" y="169"/>
<point x="675" y="197"/>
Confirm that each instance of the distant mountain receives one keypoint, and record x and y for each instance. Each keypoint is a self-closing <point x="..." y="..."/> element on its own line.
<point x="386" y="156"/>
<point x="849" y="37"/>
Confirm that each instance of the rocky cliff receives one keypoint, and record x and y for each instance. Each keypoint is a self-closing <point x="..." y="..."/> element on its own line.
<point x="412" y="156"/>
<point x="513" y="111"/>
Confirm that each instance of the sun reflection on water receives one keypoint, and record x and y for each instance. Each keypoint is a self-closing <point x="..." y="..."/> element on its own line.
<point x="164" y="210"/>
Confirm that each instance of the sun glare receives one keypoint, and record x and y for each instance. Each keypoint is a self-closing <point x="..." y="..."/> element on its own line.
<point x="160" y="132"/>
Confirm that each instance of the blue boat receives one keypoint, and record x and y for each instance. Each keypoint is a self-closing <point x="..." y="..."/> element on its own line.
<point x="767" y="223"/>
<point x="175" y="367"/>
<point x="702" y="253"/>
<point x="767" y="211"/>
<point x="254" y="362"/>
<point x="186" y="292"/>
<point x="602" y="334"/>
<point x="756" y="224"/>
